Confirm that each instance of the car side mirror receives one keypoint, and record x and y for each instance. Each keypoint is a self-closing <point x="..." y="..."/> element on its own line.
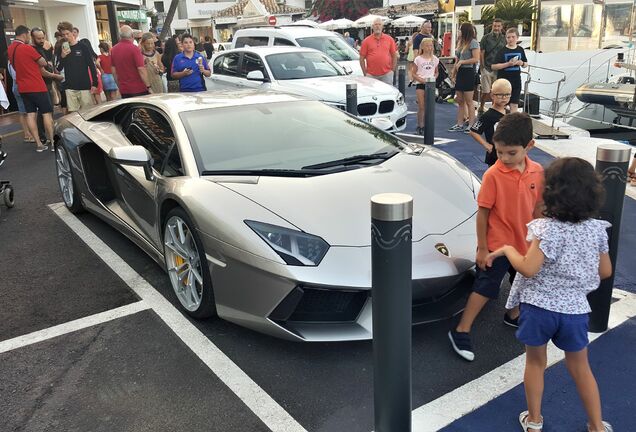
<point x="347" y="69"/>
<point x="135" y="155"/>
<point x="256" y="75"/>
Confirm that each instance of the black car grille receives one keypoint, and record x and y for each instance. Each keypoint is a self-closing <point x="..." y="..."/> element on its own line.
<point x="386" y="106"/>
<point x="305" y="304"/>
<point x="367" y="109"/>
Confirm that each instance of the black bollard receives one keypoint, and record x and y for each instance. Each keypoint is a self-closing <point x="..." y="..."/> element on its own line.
<point x="429" y="112"/>
<point x="612" y="161"/>
<point x="352" y="99"/>
<point x="402" y="79"/>
<point x="391" y="257"/>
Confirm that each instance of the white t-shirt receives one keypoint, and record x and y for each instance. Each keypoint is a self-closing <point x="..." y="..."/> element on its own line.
<point x="570" y="269"/>
<point x="426" y="67"/>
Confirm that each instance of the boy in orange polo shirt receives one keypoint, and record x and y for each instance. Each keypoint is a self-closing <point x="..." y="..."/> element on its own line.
<point x="510" y="197"/>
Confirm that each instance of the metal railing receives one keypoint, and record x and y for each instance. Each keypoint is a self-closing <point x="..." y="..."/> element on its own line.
<point x="555" y="101"/>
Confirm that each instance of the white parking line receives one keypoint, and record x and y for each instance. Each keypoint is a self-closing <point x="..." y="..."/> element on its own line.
<point x="446" y="409"/>
<point x="72" y="326"/>
<point x="252" y="395"/>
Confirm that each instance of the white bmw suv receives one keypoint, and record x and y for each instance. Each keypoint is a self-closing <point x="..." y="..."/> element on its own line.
<point x="328" y="42"/>
<point x="309" y="73"/>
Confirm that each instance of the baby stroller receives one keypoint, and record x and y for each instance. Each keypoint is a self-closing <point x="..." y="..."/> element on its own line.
<point x="443" y="83"/>
<point x="6" y="190"/>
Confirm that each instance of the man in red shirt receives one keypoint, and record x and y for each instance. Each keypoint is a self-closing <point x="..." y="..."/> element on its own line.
<point x="28" y="65"/>
<point x="128" y="67"/>
<point x="378" y="54"/>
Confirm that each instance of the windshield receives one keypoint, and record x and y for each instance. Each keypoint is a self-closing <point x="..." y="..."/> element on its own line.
<point x="282" y="136"/>
<point x="301" y="65"/>
<point x="334" y="46"/>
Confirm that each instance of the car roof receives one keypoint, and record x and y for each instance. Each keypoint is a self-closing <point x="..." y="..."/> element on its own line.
<point x="175" y="103"/>
<point x="266" y="50"/>
<point x="291" y="31"/>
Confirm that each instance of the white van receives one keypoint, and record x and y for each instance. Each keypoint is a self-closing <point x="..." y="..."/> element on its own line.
<point x="330" y="43"/>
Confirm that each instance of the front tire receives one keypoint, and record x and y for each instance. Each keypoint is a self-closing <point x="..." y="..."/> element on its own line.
<point x="187" y="265"/>
<point x="66" y="181"/>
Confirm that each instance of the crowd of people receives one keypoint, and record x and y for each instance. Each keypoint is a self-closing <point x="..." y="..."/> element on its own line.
<point x="538" y="228"/>
<point x="71" y="75"/>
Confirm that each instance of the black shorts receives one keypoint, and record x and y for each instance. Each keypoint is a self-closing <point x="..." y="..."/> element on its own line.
<point x="516" y="91"/>
<point x="131" y="95"/>
<point x="465" y="81"/>
<point x="39" y="101"/>
<point x="487" y="282"/>
<point x="420" y="87"/>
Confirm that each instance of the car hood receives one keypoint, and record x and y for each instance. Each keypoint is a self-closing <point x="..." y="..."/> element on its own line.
<point x="334" y="89"/>
<point x="337" y="206"/>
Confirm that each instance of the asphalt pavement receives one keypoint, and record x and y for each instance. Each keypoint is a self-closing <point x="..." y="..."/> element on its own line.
<point x="67" y="365"/>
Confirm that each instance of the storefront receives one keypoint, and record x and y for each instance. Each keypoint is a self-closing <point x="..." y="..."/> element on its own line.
<point x="109" y="16"/>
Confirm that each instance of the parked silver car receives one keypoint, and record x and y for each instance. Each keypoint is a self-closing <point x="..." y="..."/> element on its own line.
<point x="257" y="205"/>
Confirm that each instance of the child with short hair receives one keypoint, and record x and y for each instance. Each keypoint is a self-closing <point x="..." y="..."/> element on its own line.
<point x="485" y="124"/>
<point x="566" y="260"/>
<point x="509" y="197"/>
<point x="508" y="65"/>
<point x="424" y="68"/>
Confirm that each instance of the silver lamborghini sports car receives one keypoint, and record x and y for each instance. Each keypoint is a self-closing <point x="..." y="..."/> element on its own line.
<point x="258" y="206"/>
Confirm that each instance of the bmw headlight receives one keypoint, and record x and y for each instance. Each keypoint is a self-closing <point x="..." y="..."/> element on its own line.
<point x="400" y="99"/>
<point x="295" y="247"/>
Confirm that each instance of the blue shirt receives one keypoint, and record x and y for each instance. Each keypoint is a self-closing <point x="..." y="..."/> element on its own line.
<point x="193" y="82"/>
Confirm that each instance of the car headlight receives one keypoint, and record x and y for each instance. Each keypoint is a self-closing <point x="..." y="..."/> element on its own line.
<point x="294" y="247"/>
<point x="400" y="99"/>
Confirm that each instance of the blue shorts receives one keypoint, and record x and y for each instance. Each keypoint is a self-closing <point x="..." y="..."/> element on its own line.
<point x="537" y="326"/>
<point x="487" y="282"/>
<point x="108" y="82"/>
<point x="19" y="101"/>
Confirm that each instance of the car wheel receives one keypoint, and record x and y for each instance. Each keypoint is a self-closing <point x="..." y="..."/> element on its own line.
<point x="187" y="265"/>
<point x="7" y="196"/>
<point x="66" y="181"/>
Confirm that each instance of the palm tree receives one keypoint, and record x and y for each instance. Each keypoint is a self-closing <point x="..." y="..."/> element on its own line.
<point x="512" y="12"/>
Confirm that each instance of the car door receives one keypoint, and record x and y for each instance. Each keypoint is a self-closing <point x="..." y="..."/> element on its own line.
<point x="147" y="127"/>
<point x="252" y="62"/>
<point x="225" y="69"/>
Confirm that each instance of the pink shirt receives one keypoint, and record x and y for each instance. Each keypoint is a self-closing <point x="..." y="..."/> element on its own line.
<point x="126" y="58"/>
<point x="426" y="67"/>
<point x="378" y="54"/>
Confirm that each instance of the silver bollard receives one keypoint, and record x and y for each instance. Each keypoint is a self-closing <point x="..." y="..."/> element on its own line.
<point x="612" y="161"/>
<point x="352" y="99"/>
<point x="429" y="112"/>
<point x="391" y="257"/>
<point x="402" y="79"/>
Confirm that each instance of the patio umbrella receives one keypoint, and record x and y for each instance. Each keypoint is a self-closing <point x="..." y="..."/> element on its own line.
<point x="327" y="25"/>
<point x="367" y="21"/>
<point x="342" y="23"/>
<point x="408" y="21"/>
<point x="305" y="22"/>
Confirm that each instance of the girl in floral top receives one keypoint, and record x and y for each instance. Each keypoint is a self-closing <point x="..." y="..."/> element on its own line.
<point x="566" y="260"/>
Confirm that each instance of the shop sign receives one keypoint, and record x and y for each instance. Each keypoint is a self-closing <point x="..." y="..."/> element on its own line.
<point x="132" y="15"/>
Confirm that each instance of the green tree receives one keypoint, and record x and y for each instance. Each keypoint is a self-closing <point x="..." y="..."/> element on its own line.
<point x="512" y="12"/>
<point x="351" y="9"/>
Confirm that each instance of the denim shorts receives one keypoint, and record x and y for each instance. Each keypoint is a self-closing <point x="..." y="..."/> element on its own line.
<point x="18" y="100"/>
<point x="537" y="326"/>
<point x="487" y="282"/>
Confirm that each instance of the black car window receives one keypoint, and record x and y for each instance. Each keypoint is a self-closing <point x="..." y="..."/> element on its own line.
<point x="251" y="41"/>
<point x="150" y="129"/>
<point x="283" y="42"/>
<point x="252" y="62"/>
<point x="226" y="64"/>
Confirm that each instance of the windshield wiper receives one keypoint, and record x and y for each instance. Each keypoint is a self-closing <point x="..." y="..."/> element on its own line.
<point x="262" y="172"/>
<point x="352" y="160"/>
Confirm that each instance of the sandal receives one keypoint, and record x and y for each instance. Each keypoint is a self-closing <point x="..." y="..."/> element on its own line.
<point x="528" y="425"/>
<point x="606" y="427"/>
